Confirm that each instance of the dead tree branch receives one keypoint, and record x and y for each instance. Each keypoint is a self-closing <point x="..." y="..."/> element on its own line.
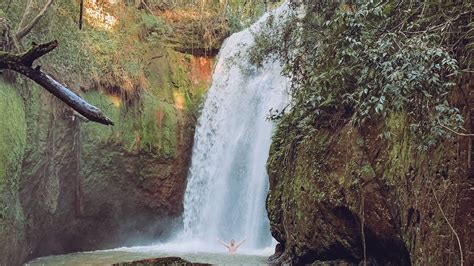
<point x="22" y="63"/>
<point x="450" y="226"/>
<point x="455" y="132"/>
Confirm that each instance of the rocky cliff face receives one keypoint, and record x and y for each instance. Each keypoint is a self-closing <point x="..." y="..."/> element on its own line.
<point x="346" y="195"/>
<point x="69" y="185"/>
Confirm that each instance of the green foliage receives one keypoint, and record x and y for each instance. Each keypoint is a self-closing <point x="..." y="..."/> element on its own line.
<point x="368" y="60"/>
<point x="127" y="72"/>
<point x="238" y="13"/>
<point x="400" y="152"/>
<point x="154" y="23"/>
<point x="241" y="14"/>
<point x="59" y="23"/>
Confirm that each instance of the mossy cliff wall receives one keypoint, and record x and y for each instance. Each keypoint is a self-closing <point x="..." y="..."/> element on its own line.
<point x="12" y="148"/>
<point x="69" y="185"/>
<point x="343" y="194"/>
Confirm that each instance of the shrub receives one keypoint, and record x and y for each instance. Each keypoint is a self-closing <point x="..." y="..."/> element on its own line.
<point x="367" y="59"/>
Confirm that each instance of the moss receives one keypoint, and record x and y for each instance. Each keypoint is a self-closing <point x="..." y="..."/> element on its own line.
<point x="298" y="173"/>
<point x="40" y="114"/>
<point x="122" y="132"/>
<point x="329" y="168"/>
<point x="128" y="61"/>
<point x="158" y="126"/>
<point x="12" y="131"/>
<point x="367" y="171"/>
<point x="150" y="127"/>
<point x="401" y="151"/>
<point x="12" y="150"/>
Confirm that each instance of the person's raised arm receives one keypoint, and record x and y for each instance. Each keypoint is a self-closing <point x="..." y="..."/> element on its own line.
<point x="241" y="242"/>
<point x="222" y="242"/>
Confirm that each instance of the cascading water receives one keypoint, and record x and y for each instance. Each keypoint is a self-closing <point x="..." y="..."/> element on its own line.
<point x="228" y="183"/>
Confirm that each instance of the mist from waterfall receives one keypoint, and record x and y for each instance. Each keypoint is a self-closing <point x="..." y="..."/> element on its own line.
<point x="228" y="182"/>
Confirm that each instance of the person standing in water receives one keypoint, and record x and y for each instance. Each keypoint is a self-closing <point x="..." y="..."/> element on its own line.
<point x="231" y="246"/>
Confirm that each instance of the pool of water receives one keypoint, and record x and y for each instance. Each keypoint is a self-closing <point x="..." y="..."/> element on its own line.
<point x="108" y="257"/>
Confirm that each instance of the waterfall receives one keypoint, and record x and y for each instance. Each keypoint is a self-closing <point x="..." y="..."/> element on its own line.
<point x="227" y="182"/>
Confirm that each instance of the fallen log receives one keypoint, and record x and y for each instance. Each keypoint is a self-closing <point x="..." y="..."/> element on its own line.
<point x="23" y="64"/>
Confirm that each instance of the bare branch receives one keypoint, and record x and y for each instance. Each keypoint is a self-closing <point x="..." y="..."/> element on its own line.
<point x="37" y="51"/>
<point x="450" y="226"/>
<point x="148" y="8"/>
<point x="25" y="15"/>
<point x="24" y="30"/>
<point x="455" y="132"/>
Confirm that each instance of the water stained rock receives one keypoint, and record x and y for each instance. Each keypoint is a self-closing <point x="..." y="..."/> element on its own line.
<point x="160" y="261"/>
<point x="350" y="213"/>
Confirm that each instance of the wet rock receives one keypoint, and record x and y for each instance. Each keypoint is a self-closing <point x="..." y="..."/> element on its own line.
<point x="78" y="186"/>
<point x="160" y="261"/>
<point x="343" y="195"/>
<point x="82" y="193"/>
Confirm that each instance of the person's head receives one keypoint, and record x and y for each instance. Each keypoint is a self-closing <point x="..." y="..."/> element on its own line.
<point x="232" y="242"/>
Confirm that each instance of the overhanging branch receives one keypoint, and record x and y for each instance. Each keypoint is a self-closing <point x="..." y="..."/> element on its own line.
<point x="37" y="51"/>
<point x="22" y="63"/>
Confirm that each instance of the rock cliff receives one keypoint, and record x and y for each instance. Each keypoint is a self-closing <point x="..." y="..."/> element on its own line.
<point x="345" y="195"/>
<point x="69" y="185"/>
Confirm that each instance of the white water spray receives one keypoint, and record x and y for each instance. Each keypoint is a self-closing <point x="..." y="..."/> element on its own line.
<point x="228" y="183"/>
